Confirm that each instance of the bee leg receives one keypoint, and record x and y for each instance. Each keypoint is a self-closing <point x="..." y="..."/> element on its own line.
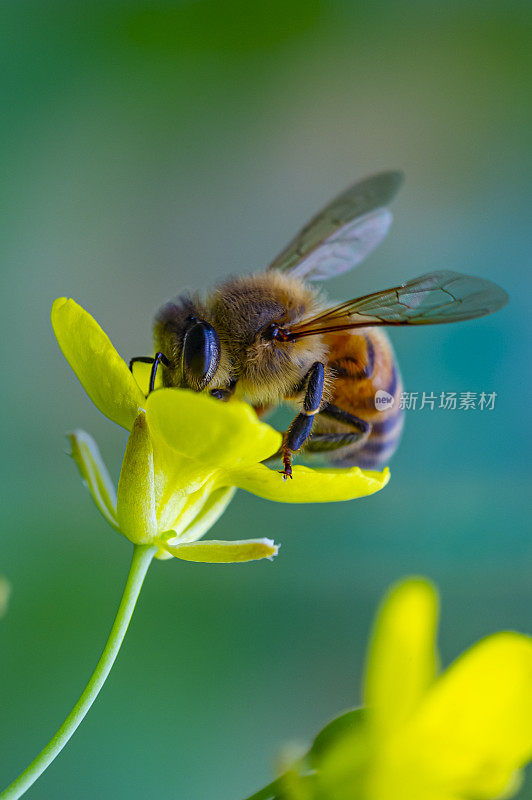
<point x="225" y="394"/>
<point x="334" y="412"/>
<point x="159" y="358"/>
<point x="140" y="360"/>
<point x="301" y="427"/>
<point x="325" y="442"/>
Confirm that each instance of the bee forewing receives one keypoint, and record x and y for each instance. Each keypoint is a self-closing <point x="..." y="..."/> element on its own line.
<point x="434" y="298"/>
<point x="344" y="232"/>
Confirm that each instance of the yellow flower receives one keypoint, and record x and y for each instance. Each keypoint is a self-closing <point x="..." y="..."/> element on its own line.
<point x="460" y="735"/>
<point x="5" y="591"/>
<point x="185" y="455"/>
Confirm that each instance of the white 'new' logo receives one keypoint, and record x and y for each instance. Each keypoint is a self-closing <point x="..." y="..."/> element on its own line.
<point x="383" y="400"/>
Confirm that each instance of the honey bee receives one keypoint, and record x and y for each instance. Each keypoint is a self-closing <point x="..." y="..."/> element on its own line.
<point x="271" y="338"/>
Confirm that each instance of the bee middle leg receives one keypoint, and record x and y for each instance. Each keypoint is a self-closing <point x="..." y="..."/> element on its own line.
<point x="301" y="427"/>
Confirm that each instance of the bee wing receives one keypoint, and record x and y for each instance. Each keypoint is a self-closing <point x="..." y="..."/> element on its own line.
<point x="344" y="233"/>
<point x="433" y="298"/>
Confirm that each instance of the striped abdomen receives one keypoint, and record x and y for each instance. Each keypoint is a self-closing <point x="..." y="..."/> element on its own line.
<point x="366" y="384"/>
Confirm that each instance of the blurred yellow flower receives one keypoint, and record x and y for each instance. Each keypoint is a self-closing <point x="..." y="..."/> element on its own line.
<point x="185" y="456"/>
<point x="5" y="591"/>
<point x="422" y="736"/>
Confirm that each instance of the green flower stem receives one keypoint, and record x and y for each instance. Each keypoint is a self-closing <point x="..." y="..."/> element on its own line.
<point x="142" y="556"/>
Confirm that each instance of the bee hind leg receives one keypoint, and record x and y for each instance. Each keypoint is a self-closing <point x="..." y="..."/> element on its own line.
<point x="301" y="427"/>
<point x="321" y="443"/>
<point x="325" y="442"/>
<point x="338" y="414"/>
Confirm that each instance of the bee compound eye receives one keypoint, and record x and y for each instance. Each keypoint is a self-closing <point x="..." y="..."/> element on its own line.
<point x="201" y="355"/>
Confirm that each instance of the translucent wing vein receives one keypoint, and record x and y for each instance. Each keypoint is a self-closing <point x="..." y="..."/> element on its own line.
<point x="434" y="298"/>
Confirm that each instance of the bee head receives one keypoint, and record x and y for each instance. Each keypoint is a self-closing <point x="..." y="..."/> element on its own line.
<point x="200" y="355"/>
<point x="238" y="336"/>
<point x="253" y="315"/>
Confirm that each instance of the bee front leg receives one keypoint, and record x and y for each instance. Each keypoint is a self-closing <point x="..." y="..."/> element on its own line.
<point x="159" y="358"/>
<point x="301" y="427"/>
<point x="140" y="360"/>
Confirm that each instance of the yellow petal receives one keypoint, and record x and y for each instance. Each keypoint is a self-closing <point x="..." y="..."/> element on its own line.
<point x="214" y="433"/>
<point x="189" y="509"/>
<point x="308" y="485"/>
<point x="136" y="490"/>
<point x="214" y="552"/>
<point x="402" y="656"/>
<point x="101" y="371"/>
<point x="86" y="454"/>
<point x="474" y="729"/>
<point x="209" y="513"/>
<point x="195" y="513"/>
<point x="177" y="482"/>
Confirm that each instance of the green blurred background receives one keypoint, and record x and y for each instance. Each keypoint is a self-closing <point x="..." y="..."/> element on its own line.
<point x="149" y="147"/>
